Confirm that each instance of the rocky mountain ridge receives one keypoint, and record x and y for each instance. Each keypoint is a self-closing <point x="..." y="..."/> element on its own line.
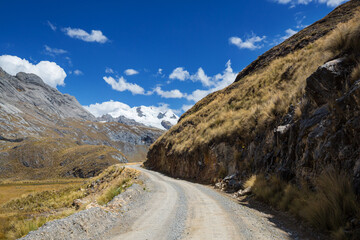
<point x="49" y="133"/>
<point x="19" y="93"/>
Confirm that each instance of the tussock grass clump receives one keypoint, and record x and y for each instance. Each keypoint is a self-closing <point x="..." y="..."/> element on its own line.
<point x="345" y="38"/>
<point x="355" y="74"/>
<point x="333" y="204"/>
<point x="330" y="207"/>
<point x="114" y="190"/>
<point x="250" y="182"/>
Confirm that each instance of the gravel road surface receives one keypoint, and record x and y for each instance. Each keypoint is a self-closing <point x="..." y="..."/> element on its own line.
<point x="177" y="209"/>
<point x="165" y="208"/>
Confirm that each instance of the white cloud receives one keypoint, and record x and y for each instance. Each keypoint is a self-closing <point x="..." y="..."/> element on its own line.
<point x="78" y="72"/>
<point x="214" y="83"/>
<point x="202" y="77"/>
<point x="149" y="113"/>
<point x="251" y="43"/>
<point x="109" y="70"/>
<point x="180" y="74"/>
<point x="94" y="36"/>
<point x="122" y="85"/>
<point x="186" y="107"/>
<point x="330" y="3"/>
<point x="169" y="94"/>
<point x="220" y="81"/>
<point x="52" y="26"/>
<point x="54" y="51"/>
<point x="199" y="94"/>
<point x="289" y="32"/>
<point x="130" y="72"/>
<point x="161" y="74"/>
<point x="51" y="73"/>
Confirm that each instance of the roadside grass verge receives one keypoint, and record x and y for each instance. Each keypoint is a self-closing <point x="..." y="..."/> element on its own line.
<point x="114" y="190"/>
<point x="330" y="207"/>
<point x="30" y="211"/>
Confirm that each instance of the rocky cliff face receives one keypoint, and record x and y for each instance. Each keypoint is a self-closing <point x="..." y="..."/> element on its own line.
<point x="309" y="122"/>
<point x="23" y="92"/>
<point x="33" y="114"/>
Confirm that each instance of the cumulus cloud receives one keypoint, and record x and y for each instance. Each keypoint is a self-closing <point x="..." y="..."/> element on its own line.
<point x="199" y="94"/>
<point x="52" y="26"/>
<point x="122" y="85"/>
<point x="94" y="36"/>
<point x="51" y="73"/>
<point x="219" y="81"/>
<point x="180" y="74"/>
<point x="130" y="72"/>
<point x="330" y="3"/>
<point x="202" y="77"/>
<point x="54" y="51"/>
<point x="169" y="94"/>
<point x="212" y="83"/>
<point x="251" y="43"/>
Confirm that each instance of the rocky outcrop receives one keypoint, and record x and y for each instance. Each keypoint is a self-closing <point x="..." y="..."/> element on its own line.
<point x="166" y="124"/>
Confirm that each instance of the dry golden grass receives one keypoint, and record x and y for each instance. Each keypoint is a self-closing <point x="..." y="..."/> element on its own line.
<point x="48" y="158"/>
<point x="345" y="38"/>
<point x="53" y="201"/>
<point x="329" y="208"/>
<point x="10" y="190"/>
<point x="259" y="100"/>
<point x="355" y="74"/>
<point x="250" y="104"/>
<point x="250" y="182"/>
<point x="114" y="190"/>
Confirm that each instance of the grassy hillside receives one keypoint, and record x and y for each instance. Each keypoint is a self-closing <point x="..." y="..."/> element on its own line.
<point x="255" y="101"/>
<point x="49" y="158"/>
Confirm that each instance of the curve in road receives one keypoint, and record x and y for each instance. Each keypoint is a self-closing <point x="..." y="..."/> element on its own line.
<point x="179" y="209"/>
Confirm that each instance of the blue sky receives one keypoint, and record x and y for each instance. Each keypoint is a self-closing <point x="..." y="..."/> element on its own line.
<point x="175" y="51"/>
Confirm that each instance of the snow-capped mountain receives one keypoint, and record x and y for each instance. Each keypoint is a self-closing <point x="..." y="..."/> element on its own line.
<point x="160" y="117"/>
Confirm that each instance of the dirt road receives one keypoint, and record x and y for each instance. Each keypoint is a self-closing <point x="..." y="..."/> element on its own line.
<point x="178" y="209"/>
